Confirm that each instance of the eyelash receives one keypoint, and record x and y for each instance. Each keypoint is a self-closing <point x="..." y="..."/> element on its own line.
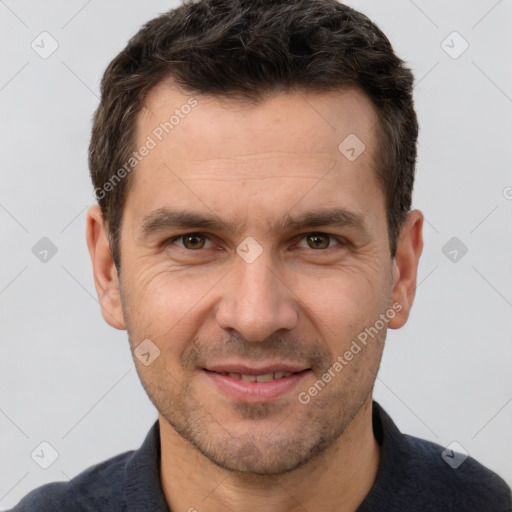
<point x="340" y="241"/>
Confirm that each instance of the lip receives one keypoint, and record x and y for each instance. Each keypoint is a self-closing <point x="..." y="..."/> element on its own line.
<point x="254" y="392"/>
<point x="256" y="370"/>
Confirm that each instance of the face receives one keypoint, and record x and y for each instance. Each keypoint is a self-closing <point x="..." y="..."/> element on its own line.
<point x="254" y="254"/>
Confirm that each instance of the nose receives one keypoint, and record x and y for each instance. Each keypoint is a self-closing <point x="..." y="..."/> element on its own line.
<point x="256" y="301"/>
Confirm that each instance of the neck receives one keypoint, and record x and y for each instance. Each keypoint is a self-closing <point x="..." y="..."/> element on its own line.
<point x="336" y="480"/>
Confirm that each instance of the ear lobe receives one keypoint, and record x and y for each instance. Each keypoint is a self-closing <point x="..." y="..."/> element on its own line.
<point x="405" y="267"/>
<point x="106" y="279"/>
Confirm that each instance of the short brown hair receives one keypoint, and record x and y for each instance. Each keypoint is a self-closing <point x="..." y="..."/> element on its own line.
<point x="245" y="49"/>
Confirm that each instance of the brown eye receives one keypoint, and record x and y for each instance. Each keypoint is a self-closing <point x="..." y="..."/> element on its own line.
<point x="191" y="241"/>
<point x="319" y="241"/>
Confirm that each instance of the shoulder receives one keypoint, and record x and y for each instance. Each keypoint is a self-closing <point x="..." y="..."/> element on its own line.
<point x="422" y="476"/>
<point x="99" y="487"/>
<point x="450" y="480"/>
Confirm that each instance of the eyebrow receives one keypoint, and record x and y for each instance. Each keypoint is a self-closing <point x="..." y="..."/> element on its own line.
<point x="163" y="220"/>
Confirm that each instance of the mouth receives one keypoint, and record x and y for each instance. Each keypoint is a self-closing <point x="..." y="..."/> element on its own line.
<point x="255" y="385"/>
<point x="262" y="377"/>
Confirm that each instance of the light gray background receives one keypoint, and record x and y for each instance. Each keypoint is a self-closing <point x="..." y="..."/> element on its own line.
<point x="67" y="378"/>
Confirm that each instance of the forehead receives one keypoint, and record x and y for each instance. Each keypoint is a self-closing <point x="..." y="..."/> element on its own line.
<point x="296" y="121"/>
<point x="231" y="157"/>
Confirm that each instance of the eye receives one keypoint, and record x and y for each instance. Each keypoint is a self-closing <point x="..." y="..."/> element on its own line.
<point x="191" y="241"/>
<point x="320" y="241"/>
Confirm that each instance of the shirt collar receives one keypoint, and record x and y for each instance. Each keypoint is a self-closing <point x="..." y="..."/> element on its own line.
<point x="143" y="489"/>
<point x="394" y="468"/>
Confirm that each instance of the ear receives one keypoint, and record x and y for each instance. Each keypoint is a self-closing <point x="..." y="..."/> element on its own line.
<point x="405" y="268"/>
<point x="106" y="279"/>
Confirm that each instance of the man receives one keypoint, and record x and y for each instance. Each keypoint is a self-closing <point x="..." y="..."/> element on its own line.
<point x="253" y="162"/>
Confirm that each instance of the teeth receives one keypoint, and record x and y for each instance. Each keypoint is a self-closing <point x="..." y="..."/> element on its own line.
<point x="266" y="377"/>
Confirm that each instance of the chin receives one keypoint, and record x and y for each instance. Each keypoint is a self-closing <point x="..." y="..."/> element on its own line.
<point x="260" y="454"/>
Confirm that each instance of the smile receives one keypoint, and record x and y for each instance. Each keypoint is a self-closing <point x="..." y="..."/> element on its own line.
<point x="265" y="377"/>
<point x="252" y="386"/>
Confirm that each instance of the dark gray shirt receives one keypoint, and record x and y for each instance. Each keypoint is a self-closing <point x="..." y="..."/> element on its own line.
<point x="413" y="477"/>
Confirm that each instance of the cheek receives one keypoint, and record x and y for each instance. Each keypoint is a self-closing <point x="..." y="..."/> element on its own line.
<point x="164" y="305"/>
<point x="344" y="303"/>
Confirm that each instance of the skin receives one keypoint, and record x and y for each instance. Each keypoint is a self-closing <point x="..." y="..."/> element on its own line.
<point x="303" y="300"/>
